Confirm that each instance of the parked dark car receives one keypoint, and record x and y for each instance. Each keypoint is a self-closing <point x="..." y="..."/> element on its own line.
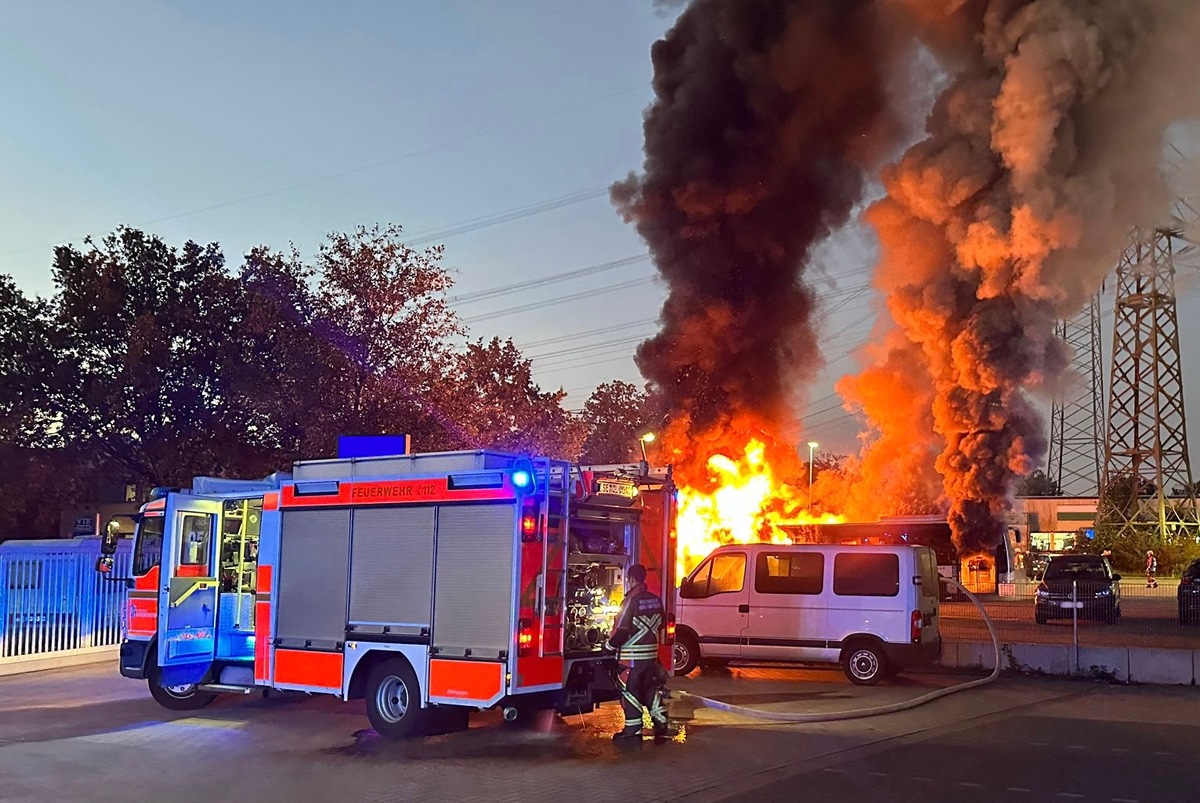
<point x="1189" y="594"/>
<point x="1078" y="583"/>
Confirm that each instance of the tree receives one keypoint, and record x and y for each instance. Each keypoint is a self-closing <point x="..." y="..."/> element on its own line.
<point x="26" y="366"/>
<point x="1038" y="484"/>
<point x="495" y="403"/>
<point x="383" y="325"/>
<point x="32" y="470"/>
<point x="616" y="416"/>
<point x="148" y="332"/>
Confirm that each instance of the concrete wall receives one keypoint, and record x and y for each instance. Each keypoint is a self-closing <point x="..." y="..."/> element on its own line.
<point x="1126" y="665"/>
<point x="39" y="663"/>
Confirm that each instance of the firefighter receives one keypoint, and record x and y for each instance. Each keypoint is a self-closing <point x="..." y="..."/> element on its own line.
<point x="635" y="636"/>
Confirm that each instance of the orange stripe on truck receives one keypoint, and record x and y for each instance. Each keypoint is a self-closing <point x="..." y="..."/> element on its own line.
<point x="465" y="680"/>
<point x="262" y="641"/>
<point x="263" y="586"/>
<point x="303" y="668"/>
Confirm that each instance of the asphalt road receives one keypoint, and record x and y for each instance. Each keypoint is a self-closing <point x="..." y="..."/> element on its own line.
<point x="88" y="735"/>
<point x="1105" y="747"/>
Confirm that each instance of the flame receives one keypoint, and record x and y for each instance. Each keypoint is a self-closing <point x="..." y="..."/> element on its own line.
<point x="745" y="506"/>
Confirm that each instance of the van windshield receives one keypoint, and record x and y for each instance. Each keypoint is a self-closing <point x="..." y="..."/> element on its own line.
<point x="1075" y="570"/>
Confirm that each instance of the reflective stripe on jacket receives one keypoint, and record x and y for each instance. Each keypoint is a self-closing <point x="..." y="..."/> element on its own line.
<point x="638" y="625"/>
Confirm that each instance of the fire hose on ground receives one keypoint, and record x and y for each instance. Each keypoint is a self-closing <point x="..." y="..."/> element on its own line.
<point x="859" y="713"/>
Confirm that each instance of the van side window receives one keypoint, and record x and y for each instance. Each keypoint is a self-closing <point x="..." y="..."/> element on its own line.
<point x="789" y="573"/>
<point x="871" y="575"/>
<point x="721" y="574"/>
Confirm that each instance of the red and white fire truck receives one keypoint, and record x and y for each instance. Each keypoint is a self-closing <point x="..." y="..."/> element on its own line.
<point x="429" y="584"/>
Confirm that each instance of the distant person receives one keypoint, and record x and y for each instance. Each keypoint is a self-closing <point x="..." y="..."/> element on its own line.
<point x="1151" y="569"/>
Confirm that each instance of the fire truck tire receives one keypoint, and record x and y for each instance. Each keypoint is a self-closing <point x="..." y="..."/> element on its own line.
<point x="176" y="698"/>
<point x="394" y="700"/>
<point x="685" y="654"/>
<point x="864" y="663"/>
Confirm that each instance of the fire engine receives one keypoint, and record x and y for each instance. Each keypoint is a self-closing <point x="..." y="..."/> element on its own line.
<point x="430" y="584"/>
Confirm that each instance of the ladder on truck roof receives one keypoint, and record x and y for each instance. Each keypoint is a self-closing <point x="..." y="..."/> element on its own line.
<point x="555" y="475"/>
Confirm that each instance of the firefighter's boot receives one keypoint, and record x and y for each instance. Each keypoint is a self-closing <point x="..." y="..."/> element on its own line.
<point x="627" y="733"/>
<point x="658" y="715"/>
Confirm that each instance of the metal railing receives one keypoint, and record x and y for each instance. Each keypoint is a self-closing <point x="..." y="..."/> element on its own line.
<point x="53" y="601"/>
<point x="1145" y="618"/>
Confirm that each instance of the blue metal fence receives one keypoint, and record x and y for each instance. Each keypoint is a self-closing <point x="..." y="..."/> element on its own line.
<point x="52" y="599"/>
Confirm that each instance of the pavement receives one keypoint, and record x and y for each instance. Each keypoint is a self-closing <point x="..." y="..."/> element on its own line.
<point x="86" y="734"/>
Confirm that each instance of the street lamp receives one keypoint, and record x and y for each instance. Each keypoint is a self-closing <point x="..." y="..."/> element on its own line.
<point x="647" y="438"/>
<point x="812" y="447"/>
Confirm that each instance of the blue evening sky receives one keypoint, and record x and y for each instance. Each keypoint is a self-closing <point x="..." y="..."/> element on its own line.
<point x="273" y="122"/>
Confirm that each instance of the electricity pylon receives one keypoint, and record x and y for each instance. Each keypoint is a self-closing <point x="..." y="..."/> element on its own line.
<point x="1147" y="481"/>
<point x="1077" y="414"/>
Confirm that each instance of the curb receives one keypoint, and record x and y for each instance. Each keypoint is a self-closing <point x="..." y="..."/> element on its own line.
<point x="1117" y="664"/>
<point x="62" y="660"/>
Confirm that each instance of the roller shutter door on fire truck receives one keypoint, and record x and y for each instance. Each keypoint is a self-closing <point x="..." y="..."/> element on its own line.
<point x="474" y="580"/>
<point x="392" y="571"/>
<point x="314" y="575"/>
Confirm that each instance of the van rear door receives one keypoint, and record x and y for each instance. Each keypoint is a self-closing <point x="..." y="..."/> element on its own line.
<point x="928" y="592"/>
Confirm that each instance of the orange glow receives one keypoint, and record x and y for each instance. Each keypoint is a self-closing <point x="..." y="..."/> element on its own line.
<point x="745" y="506"/>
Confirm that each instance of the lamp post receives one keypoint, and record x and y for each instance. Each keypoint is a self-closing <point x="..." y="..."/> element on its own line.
<point x="812" y="447"/>
<point x="647" y="438"/>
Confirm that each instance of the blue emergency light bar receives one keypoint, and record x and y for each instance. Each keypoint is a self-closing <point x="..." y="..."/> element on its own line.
<point x="350" y="446"/>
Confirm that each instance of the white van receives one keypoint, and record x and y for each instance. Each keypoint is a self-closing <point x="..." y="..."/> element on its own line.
<point x="874" y="609"/>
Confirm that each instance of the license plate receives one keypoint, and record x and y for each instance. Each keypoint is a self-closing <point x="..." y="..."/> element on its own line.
<point x="1070" y="604"/>
<point x="616" y="488"/>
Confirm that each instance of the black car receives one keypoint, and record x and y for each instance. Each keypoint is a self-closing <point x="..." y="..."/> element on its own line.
<point x="1189" y="594"/>
<point x="1078" y="584"/>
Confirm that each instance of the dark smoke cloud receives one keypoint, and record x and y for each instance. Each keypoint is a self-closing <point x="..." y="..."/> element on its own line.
<point x="1040" y="155"/>
<point x="766" y="113"/>
<point x="1040" y="152"/>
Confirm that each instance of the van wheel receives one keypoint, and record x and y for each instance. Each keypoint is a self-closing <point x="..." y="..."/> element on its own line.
<point x="394" y="700"/>
<point x="864" y="664"/>
<point x="176" y="698"/>
<point x="685" y="654"/>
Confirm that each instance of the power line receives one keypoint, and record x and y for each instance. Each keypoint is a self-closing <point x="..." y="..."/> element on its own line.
<point x="580" y="349"/>
<point x="569" y="367"/>
<point x="580" y="335"/>
<point x="543" y="281"/>
<point x="612" y="288"/>
<point x="571" y="364"/>
<point x="496" y="218"/>
<point x="364" y="167"/>
<point x="559" y="361"/>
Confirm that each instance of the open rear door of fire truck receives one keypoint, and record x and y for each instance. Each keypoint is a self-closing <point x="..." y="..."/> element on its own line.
<point x="188" y="595"/>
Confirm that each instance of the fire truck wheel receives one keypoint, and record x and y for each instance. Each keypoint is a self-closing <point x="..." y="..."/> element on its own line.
<point x="177" y="698"/>
<point x="394" y="700"/>
<point x="685" y="655"/>
<point x="864" y="663"/>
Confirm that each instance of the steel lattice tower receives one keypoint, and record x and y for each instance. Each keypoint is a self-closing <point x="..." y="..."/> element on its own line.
<point x="1146" y="450"/>
<point x="1076" y="417"/>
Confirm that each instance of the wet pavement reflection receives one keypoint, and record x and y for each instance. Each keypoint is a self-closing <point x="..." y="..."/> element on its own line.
<point x="550" y="737"/>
